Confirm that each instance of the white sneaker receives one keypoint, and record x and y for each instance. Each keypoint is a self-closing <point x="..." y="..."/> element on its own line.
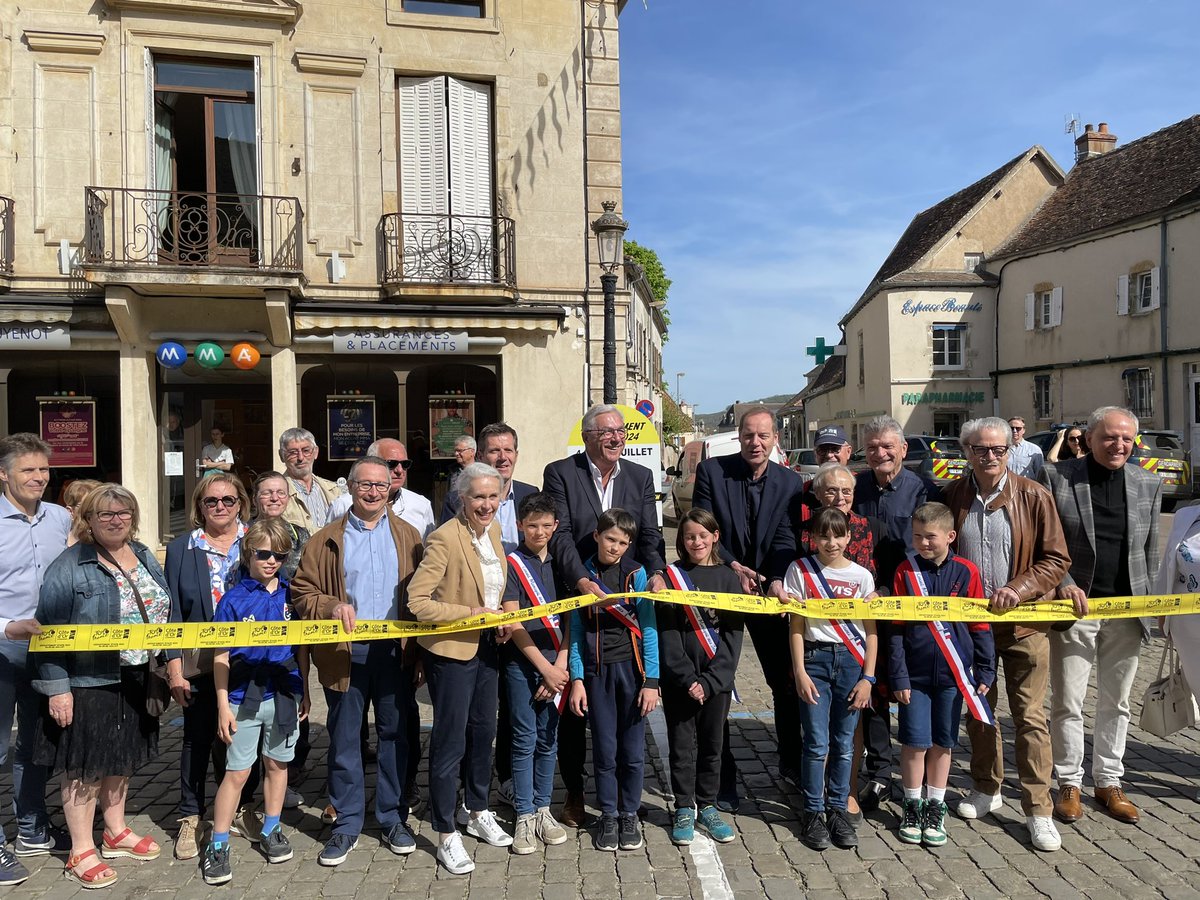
<point x="483" y="825"/>
<point x="1043" y="833"/>
<point x="505" y="793"/>
<point x="977" y="804"/>
<point x="453" y="856"/>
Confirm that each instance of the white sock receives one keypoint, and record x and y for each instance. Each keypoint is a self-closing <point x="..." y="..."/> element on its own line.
<point x="912" y="793"/>
<point x="932" y="793"/>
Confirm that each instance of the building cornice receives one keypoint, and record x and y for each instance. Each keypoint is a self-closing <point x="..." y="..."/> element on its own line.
<point x="330" y="64"/>
<point x="65" y="42"/>
<point x="283" y="12"/>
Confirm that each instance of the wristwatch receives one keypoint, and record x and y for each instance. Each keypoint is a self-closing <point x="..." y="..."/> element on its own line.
<point x="869" y="679"/>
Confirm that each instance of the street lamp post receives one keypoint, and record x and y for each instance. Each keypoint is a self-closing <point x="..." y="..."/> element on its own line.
<point x="610" y="243"/>
<point x="679" y="387"/>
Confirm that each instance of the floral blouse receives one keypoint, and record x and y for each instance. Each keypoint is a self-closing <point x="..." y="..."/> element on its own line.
<point x="156" y="599"/>
<point x="223" y="568"/>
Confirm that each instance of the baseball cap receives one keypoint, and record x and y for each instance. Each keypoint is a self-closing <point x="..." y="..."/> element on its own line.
<point x="832" y="434"/>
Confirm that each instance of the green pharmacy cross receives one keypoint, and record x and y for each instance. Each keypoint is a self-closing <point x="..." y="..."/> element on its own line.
<point x="820" y="351"/>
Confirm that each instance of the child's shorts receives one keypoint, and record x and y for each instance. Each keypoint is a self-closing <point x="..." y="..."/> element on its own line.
<point x="931" y="717"/>
<point x="243" y="752"/>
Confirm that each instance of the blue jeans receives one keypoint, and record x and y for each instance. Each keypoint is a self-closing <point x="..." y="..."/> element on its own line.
<point x="828" y="726"/>
<point x="618" y="736"/>
<point x="18" y="696"/>
<point x="534" y="738"/>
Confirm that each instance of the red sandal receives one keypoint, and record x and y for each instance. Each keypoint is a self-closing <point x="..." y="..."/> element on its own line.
<point x="144" y="849"/>
<point x="100" y="875"/>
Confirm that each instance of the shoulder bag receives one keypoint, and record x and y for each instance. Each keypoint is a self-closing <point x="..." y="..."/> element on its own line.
<point x="1168" y="705"/>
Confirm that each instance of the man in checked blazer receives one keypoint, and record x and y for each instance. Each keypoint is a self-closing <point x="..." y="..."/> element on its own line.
<point x="1109" y="512"/>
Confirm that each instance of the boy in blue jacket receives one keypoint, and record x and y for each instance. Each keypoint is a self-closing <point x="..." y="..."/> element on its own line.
<point x="614" y="679"/>
<point x="933" y="667"/>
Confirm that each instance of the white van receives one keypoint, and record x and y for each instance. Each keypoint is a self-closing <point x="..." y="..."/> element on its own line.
<point x="683" y="483"/>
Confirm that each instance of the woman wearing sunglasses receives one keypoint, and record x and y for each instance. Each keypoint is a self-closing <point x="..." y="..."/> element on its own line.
<point x="201" y="565"/>
<point x="1067" y="445"/>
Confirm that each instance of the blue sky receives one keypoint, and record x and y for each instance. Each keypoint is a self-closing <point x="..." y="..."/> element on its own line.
<point x="775" y="150"/>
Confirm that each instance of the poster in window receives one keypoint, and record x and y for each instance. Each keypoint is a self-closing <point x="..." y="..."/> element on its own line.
<point x="351" y="426"/>
<point x="450" y="417"/>
<point x="69" y="427"/>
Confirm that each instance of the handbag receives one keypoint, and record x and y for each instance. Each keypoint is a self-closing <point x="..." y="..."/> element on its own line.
<point x="1168" y="705"/>
<point x="158" y="690"/>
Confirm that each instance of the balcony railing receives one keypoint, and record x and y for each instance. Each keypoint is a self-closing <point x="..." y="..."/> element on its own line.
<point x="6" y="236"/>
<point x="447" y="249"/>
<point x="140" y="227"/>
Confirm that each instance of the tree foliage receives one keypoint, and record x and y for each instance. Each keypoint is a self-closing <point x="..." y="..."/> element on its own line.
<point x="656" y="275"/>
<point x="673" y="419"/>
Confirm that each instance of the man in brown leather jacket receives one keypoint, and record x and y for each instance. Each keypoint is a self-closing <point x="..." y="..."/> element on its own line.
<point x="1008" y="526"/>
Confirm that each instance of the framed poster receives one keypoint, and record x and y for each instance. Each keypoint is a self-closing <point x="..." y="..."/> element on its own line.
<point x="351" y="419"/>
<point x="68" y="425"/>
<point x="450" y="417"/>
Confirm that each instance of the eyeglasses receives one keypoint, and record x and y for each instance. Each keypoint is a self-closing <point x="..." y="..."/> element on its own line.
<point x="402" y="463"/>
<point x="1074" y="439"/>
<point x="988" y="451"/>
<point x="297" y="452"/>
<point x="107" y="515"/>
<point x="214" y="502"/>
<point x="264" y="555"/>
<point x="368" y="486"/>
<point x="606" y="432"/>
<point x="1017" y="427"/>
<point x="278" y="493"/>
<point x="837" y="492"/>
<point x="459" y="451"/>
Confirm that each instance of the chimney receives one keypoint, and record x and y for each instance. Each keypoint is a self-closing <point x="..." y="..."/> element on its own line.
<point x="1091" y="143"/>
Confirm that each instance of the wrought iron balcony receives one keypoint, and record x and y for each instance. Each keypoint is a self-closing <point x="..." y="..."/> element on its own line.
<point x="140" y="227"/>
<point x="6" y="236"/>
<point x="447" y="249"/>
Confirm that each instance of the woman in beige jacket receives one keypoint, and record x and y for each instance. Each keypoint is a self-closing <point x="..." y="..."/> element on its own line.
<point x="463" y="574"/>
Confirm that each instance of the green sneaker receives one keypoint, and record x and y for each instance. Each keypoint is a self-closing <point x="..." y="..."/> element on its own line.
<point x="712" y="822"/>
<point x="912" y="821"/>
<point x="683" y="828"/>
<point x="934" y="832"/>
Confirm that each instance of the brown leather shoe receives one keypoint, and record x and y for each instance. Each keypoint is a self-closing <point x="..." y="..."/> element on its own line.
<point x="1068" y="808"/>
<point x="1118" y="805"/>
<point x="572" y="813"/>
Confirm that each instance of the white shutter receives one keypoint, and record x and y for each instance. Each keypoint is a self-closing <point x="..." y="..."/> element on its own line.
<point x="1029" y="299"/>
<point x="1122" y="295"/>
<point x="1056" y="307"/>
<point x="1154" y="288"/>
<point x="423" y="175"/>
<point x="471" y="175"/>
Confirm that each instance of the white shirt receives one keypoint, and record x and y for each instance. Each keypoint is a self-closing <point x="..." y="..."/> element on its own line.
<point x="408" y="505"/>
<point x="852" y="581"/>
<point x="492" y="568"/>
<point x="210" y="451"/>
<point x="604" y="490"/>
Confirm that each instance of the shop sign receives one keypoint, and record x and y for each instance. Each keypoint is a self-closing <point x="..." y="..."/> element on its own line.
<point x="374" y="340"/>
<point x="967" y="397"/>
<point x="18" y="336"/>
<point x="351" y="419"/>
<point x="69" y="427"/>
<point x="209" y="355"/>
<point x="171" y="354"/>
<point x="450" y="417"/>
<point x="642" y="446"/>
<point x="949" y="305"/>
<point x="245" y="356"/>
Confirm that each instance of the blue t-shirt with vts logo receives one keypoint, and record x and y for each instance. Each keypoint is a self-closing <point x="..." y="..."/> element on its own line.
<point x="250" y="601"/>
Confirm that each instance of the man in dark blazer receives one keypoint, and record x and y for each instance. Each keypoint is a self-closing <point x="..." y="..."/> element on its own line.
<point x="497" y="448"/>
<point x="583" y="486"/>
<point x="1109" y="512"/>
<point x="757" y="507"/>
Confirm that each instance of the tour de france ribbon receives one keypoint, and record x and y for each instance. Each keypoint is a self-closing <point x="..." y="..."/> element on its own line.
<point x="701" y="618"/>
<point x="208" y="635"/>
<point x="843" y="628"/>
<point x="531" y="582"/>
<point x="976" y="705"/>
<point x="620" y="613"/>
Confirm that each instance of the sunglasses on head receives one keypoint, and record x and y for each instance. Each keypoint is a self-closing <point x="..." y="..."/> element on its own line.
<point x="402" y="463"/>
<point x="214" y="502"/>
<point x="264" y="555"/>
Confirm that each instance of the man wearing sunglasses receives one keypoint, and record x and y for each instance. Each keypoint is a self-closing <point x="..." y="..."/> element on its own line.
<point x="410" y="506"/>
<point x="1008" y="526"/>
<point x="497" y="448"/>
<point x="311" y="495"/>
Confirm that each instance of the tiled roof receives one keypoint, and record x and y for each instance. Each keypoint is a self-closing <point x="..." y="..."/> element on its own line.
<point x="832" y="375"/>
<point x="941" y="279"/>
<point x="1143" y="177"/>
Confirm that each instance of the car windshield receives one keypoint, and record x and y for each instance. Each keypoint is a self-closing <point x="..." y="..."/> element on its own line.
<point x="1158" y="443"/>
<point x="946" y="448"/>
<point x="808" y="458"/>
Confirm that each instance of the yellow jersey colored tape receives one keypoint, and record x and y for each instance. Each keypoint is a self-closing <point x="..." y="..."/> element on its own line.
<point x="192" y="635"/>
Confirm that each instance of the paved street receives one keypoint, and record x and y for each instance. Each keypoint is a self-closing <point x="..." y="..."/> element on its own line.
<point x="1157" y="858"/>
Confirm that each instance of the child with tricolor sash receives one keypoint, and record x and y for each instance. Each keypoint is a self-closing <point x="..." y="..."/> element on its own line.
<point x="933" y="668"/>
<point x="535" y="675"/>
<point x="614" y="679"/>
<point x="699" y="648"/>
<point x="834" y="664"/>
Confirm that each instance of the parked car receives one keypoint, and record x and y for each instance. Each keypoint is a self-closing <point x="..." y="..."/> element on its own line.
<point x="1156" y="451"/>
<point x="683" y="476"/>
<point x="940" y="459"/>
<point x="804" y="461"/>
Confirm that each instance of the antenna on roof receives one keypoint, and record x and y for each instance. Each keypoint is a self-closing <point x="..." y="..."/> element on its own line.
<point x="1072" y="124"/>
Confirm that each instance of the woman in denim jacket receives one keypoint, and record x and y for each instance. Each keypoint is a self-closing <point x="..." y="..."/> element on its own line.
<point x="97" y="731"/>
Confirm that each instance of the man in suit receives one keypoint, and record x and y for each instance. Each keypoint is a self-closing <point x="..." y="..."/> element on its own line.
<point x="757" y="507"/>
<point x="1109" y="512"/>
<point x="497" y="448"/>
<point x="585" y="485"/>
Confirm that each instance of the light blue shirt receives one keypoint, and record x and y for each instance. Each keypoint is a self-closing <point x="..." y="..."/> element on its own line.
<point x="1026" y="459"/>
<point x="26" y="549"/>
<point x="507" y="516"/>
<point x="372" y="569"/>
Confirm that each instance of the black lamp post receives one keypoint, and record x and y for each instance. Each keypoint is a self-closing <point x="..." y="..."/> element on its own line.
<point x="610" y="243"/>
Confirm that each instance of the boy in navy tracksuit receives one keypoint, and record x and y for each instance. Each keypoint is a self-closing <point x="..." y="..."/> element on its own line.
<point x="933" y="668"/>
<point x="614" y="679"/>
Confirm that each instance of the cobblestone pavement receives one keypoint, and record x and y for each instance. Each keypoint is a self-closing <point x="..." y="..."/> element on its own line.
<point x="1160" y="857"/>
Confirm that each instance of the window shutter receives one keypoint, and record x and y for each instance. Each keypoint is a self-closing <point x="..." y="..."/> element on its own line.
<point x="471" y="172"/>
<point x="423" y="172"/>
<point x="1122" y="295"/>
<point x="1029" y="298"/>
<point x="1056" y="307"/>
<point x="1154" y="288"/>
